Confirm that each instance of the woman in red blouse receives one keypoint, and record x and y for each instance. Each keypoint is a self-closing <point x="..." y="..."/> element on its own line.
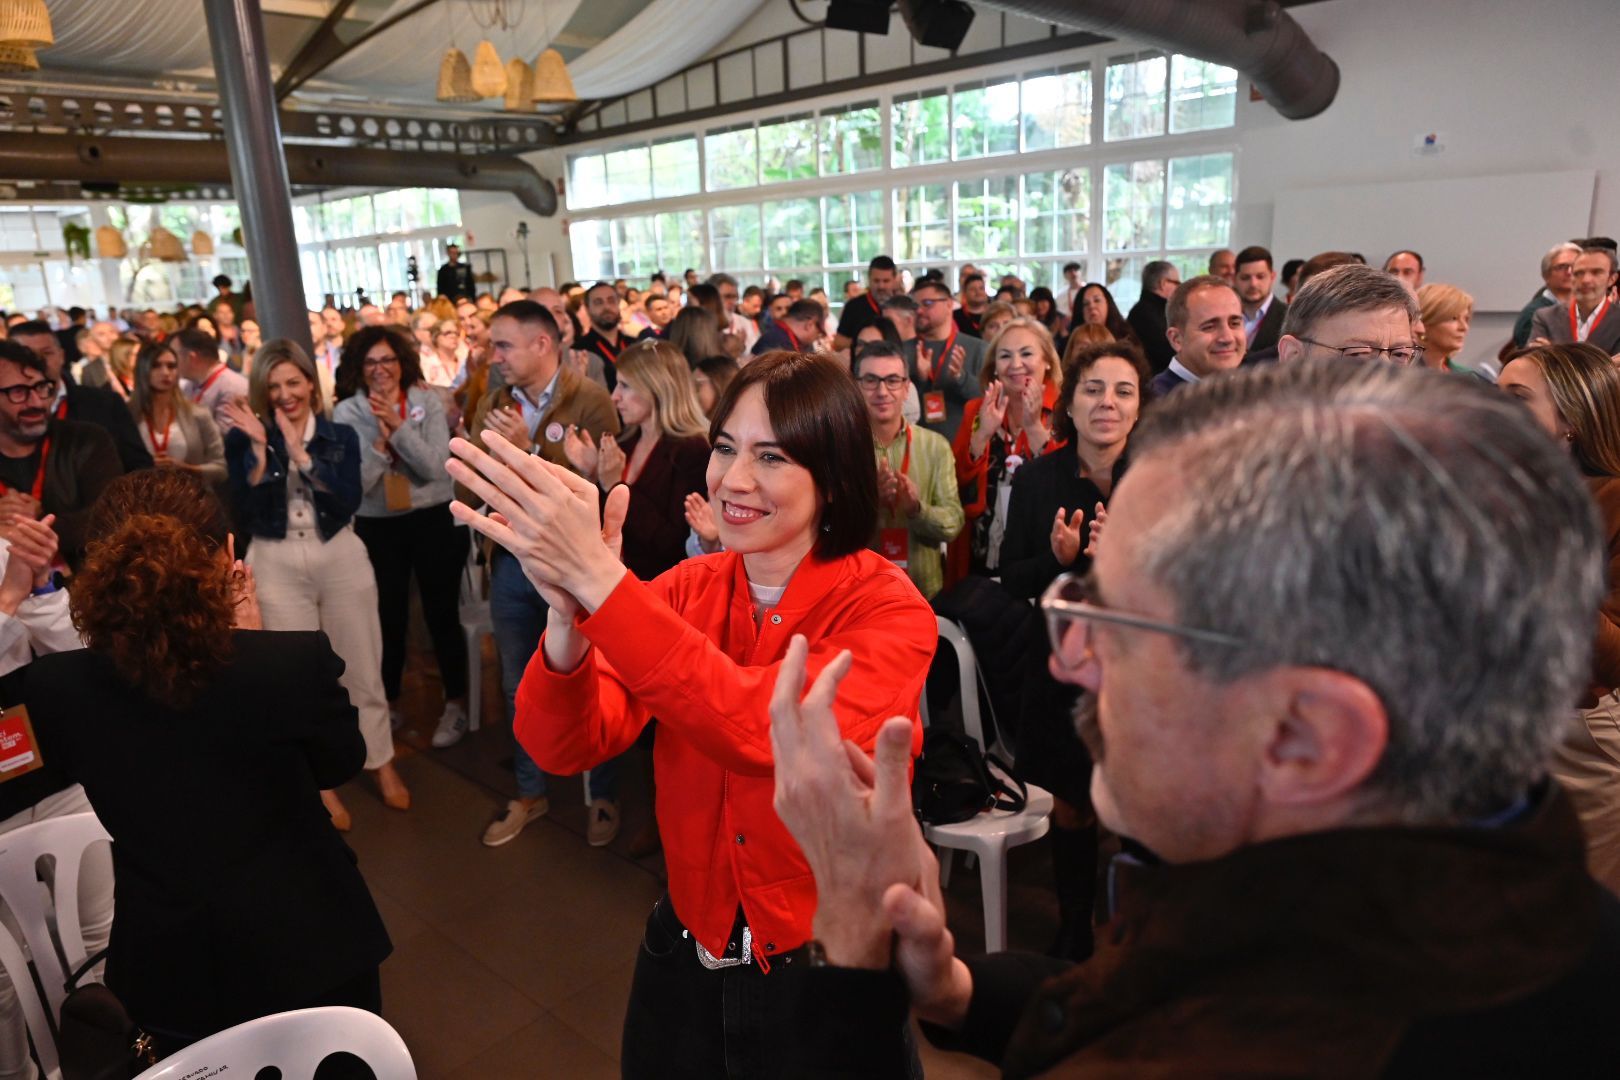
<point x="794" y="486"/>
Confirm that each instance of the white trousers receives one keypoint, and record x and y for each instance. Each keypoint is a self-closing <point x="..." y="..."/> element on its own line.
<point x="305" y="584"/>
<point x="95" y="920"/>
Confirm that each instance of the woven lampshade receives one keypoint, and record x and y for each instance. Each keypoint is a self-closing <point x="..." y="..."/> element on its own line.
<point x="202" y="243"/>
<point x="17" y="58"/>
<point x="26" y="22"/>
<point x="552" y="84"/>
<point x="165" y="246"/>
<point x="488" y="73"/>
<point x="455" y="78"/>
<point x="519" y="86"/>
<point x="110" y="243"/>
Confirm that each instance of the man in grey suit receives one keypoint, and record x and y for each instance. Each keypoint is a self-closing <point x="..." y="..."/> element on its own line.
<point x="1591" y="315"/>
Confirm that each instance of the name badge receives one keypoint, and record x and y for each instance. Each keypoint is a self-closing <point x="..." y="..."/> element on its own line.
<point x="19" y="750"/>
<point x="396" y="490"/>
<point x="417" y="413"/>
<point x="934" y="406"/>
<point x="554" y="432"/>
<point x="895" y="545"/>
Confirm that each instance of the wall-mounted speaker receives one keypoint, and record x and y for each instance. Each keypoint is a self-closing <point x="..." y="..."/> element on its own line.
<point x="862" y="16"/>
<point x="941" y="24"/>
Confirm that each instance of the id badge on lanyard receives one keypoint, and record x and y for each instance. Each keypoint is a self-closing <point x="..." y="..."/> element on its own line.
<point x="895" y="545"/>
<point x="19" y="749"/>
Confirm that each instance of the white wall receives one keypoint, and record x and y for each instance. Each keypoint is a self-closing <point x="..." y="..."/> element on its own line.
<point x="1509" y="87"/>
<point x="491" y="218"/>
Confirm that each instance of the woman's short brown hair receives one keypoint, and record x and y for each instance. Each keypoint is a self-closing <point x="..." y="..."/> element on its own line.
<point x="350" y="377"/>
<point x="819" y="419"/>
<point x="155" y="594"/>
<point x="1083" y="360"/>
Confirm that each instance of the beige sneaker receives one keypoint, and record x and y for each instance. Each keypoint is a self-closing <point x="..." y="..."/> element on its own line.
<point x="518" y="814"/>
<point x="601" y="822"/>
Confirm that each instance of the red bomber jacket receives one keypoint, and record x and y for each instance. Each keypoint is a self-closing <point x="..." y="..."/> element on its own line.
<point x="685" y="649"/>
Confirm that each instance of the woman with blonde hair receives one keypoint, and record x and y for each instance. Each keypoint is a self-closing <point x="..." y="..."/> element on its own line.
<point x="1446" y="312"/>
<point x="295" y="479"/>
<point x="120" y="364"/>
<point x="996" y="316"/>
<point x="178" y="433"/>
<point x="1009" y="425"/>
<point x="441" y="365"/>
<point x="1573" y="393"/>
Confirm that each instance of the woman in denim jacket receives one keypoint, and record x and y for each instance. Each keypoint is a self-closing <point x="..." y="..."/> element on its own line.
<point x="295" y="481"/>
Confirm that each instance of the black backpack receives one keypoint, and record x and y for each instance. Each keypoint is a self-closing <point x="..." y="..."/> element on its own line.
<point x="954" y="782"/>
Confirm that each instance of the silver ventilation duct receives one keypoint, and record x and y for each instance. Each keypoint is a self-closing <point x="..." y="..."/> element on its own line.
<point x="1257" y="37"/>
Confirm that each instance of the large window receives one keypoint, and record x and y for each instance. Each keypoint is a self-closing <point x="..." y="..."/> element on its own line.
<point x="733" y="158"/>
<point x="921" y="129"/>
<point x="1057" y="108"/>
<point x="365" y="243"/>
<point x="985" y="120"/>
<point x="1134" y="92"/>
<point x="922" y="222"/>
<point x="854" y="228"/>
<point x="792" y="233"/>
<point x="987" y="218"/>
<point x="787" y="150"/>
<point x="852" y="139"/>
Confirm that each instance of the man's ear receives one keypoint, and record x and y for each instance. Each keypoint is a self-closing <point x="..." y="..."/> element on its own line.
<point x="1173" y="335"/>
<point x="1289" y="349"/>
<point x="1330" y="736"/>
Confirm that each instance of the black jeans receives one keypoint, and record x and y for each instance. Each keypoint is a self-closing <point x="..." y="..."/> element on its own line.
<point x="685" y="1021"/>
<point x="431" y="545"/>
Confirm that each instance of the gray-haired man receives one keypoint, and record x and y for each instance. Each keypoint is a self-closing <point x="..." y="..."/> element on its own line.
<point x="1352" y="312"/>
<point x="1336" y="615"/>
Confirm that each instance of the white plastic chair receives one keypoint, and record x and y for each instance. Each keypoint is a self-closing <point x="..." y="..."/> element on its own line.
<point x="295" y="1043"/>
<point x="990" y="834"/>
<point x="475" y="623"/>
<point x="35" y="910"/>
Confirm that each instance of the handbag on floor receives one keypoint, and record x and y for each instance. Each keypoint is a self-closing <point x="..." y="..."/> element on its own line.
<point x="96" y="1039"/>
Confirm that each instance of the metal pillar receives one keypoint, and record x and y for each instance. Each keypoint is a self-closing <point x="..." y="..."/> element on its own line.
<point x="258" y="168"/>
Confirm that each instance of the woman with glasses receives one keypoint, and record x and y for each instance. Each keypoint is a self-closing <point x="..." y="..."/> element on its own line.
<point x="296" y="482"/>
<point x="442" y="364"/>
<point x="404" y="515"/>
<point x="1008" y="426"/>
<point x="1055" y="501"/>
<point x="1573" y="393"/>
<point x="795" y="484"/>
<point x="178" y="434"/>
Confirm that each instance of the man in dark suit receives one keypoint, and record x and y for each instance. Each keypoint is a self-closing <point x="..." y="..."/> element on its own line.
<point x="1591" y="314"/>
<point x="87" y="404"/>
<point x="1262" y="311"/>
<point x="798" y="329"/>
<point x="1206" y="331"/>
<point x="455" y="278"/>
<point x="1148" y="318"/>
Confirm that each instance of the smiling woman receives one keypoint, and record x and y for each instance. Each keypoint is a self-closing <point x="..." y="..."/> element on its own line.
<point x="794" y="484"/>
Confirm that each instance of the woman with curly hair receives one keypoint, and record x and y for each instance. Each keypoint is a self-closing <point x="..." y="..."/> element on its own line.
<point x="232" y="907"/>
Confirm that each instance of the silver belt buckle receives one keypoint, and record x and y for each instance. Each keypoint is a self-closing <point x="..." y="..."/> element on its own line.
<point x="715" y="963"/>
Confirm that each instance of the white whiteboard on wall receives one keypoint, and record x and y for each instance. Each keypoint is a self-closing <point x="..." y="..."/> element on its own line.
<point x="1484" y="234"/>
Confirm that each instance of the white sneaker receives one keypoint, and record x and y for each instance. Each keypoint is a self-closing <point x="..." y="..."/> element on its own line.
<point x="602" y="822"/>
<point x="452" y="726"/>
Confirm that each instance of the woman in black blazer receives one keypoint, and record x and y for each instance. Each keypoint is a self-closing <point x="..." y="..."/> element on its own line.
<point x="1055" y="499"/>
<point x="203" y="744"/>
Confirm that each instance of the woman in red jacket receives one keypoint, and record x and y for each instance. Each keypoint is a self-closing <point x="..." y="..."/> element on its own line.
<point x="794" y="486"/>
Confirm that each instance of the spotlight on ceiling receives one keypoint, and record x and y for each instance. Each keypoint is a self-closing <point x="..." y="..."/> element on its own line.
<point x="941" y="24"/>
<point x="862" y="16"/>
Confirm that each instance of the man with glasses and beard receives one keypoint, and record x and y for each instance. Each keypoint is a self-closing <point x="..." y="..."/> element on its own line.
<point x="47" y="465"/>
<point x="1349" y="858"/>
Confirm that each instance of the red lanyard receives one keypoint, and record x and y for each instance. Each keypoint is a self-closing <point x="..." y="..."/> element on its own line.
<point x="875" y="309"/>
<point x="160" y="446"/>
<point x="1597" y="317"/>
<point x="612" y="353"/>
<point x="905" y="462"/>
<point x="61" y="408"/>
<point x="793" y="338"/>
<point x="944" y="354"/>
<point x="206" y="383"/>
<point x="39" y="477"/>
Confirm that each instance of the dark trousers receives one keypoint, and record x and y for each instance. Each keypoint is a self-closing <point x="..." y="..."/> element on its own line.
<point x="428" y="543"/>
<point x="685" y="1021"/>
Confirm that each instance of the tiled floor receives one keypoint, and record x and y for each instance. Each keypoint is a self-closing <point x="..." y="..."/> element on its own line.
<point x="516" y="961"/>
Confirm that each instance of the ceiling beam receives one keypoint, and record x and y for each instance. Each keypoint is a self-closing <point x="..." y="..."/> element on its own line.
<point x="324" y="48"/>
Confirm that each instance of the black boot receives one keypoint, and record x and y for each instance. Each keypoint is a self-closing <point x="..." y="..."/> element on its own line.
<point x="1074" y="867"/>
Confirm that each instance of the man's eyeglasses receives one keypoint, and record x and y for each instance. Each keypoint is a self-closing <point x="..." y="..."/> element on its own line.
<point x="18" y="394"/>
<point x="870" y="383"/>
<point x="1071" y="606"/>
<point x="1404" y="355"/>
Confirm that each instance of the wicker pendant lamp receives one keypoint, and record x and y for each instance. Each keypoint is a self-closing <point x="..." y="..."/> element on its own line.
<point x="110" y="243"/>
<point x="519" y="86"/>
<point x="201" y="243"/>
<point x="165" y="246"/>
<point x="455" y="77"/>
<point x="552" y="84"/>
<point x="488" y="73"/>
<point x="17" y="58"/>
<point x="26" y="23"/>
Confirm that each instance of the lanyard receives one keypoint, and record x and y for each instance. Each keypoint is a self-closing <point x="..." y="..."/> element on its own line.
<point x="1591" y="324"/>
<point x="612" y="353"/>
<point x="61" y="408"/>
<point x="793" y="339"/>
<point x="39" y="476"/>
<point x="206" y="383"/>
<point x="944" y="354"/>
<point x="160" y="446"/>
<point x="875" y="309"/>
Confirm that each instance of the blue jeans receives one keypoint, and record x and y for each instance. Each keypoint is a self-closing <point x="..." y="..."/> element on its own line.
<point x="519" y="615"/>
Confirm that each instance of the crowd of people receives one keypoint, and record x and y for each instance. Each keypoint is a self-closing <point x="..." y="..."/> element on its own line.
<point x="1345" y="612"/>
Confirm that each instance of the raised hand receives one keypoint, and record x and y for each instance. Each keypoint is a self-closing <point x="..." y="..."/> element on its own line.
<point x="907" y="499"/>
<point x="293" y="435"/>
<point x="580" y="451"/>
<point x="1099" y="518"/>
<point x="1032" y="398"/>
<point x="242" y="419"/>
<point x="888" y="485"/>
<point x="1066" y="536"/>
<point x="953" y="369"/>
<point x="700" y="516"/>
<point x="387" y="414"/>
<point x="991" y="414"/>
<point x="507" y="422"/>
<point x="609" y="463"/>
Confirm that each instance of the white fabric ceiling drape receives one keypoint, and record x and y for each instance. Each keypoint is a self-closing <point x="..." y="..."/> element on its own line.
<point x="665" y="37"/>
<point x="127" y="38"/>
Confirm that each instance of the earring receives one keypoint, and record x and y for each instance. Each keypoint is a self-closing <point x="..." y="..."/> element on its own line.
<point x="826" y="526"/>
